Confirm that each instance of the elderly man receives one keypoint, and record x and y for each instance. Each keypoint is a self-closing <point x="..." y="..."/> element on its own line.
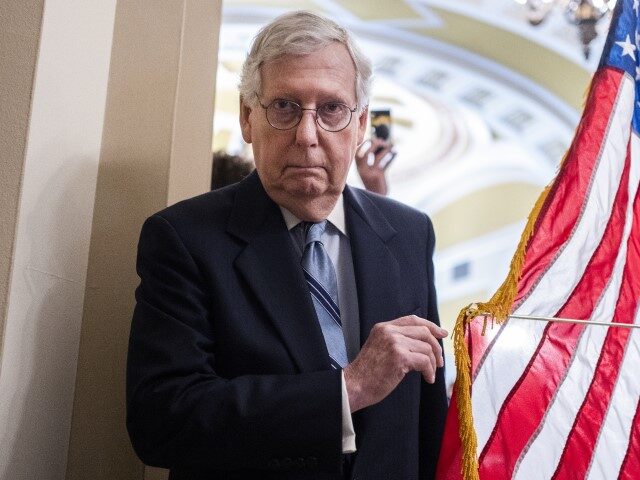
<point x="280" y="329"/>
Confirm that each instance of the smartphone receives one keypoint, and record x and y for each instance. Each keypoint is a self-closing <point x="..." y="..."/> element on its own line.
<point x="380" y="125"/>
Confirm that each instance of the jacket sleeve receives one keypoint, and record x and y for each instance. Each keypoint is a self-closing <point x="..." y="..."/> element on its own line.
<point x="433" y="399"/>
<point x="181" y="413"/>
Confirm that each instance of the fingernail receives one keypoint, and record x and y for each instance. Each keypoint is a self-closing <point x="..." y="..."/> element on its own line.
<point x="443" y="331"/>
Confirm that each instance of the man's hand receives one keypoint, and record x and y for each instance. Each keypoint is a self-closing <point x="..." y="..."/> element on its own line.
<point x="392" y="350"/>
<point x="373" y="176"/>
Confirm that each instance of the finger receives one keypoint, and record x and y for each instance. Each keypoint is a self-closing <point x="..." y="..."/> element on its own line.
<point x="379" y="156"/>
<point x="436" y="331"/>
<point x="365" y="145"/>
<point x="376" y="144"/>
<point x="425" y="348"/>
<point x="421" y="340"/>
<point x="437" y="351"/>
<point x="418" y="332"/>
<point x="382" y="147"/>
<point x="391" y="156"/>
<point x="362" y="153"/>
<point x="423" y="364"/>
<point x="421" y="329"/>
<point x="408" y="320"/>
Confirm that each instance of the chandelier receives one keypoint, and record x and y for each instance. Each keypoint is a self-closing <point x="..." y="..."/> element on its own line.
<point x="584" y="14"/>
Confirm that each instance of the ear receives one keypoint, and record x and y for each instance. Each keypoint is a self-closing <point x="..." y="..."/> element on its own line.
<point x="362" y="124"/>
<point x="245" y="121"/>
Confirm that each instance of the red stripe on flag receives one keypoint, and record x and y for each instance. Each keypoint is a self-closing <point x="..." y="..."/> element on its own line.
<point x="478" y="343"/>
<point x="531" y="396"/>
<point x="582" y="439"/>
<point x="565" y="201"/>
<point x="631" y="463"/>
<point x="449" y="463"/>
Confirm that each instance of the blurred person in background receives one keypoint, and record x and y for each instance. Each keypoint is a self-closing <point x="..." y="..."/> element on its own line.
<point x="228" y="169"/>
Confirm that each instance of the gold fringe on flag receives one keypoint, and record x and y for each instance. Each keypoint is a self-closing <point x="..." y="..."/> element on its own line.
<point x="497" y="308"/>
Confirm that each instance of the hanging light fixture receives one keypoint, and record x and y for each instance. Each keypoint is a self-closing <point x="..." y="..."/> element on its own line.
<point x="584" y="14"/>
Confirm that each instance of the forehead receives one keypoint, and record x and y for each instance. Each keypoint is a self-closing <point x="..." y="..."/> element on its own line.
<point x="324" y="73"/>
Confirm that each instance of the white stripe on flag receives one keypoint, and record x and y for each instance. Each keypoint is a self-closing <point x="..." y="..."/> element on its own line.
<point x="518" y="342"/>
<point x="540" y="459"/>
<point x="616" y="429"/>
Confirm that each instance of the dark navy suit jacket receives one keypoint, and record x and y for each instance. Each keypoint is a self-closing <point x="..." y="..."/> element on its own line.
<point x="227" y="372"/>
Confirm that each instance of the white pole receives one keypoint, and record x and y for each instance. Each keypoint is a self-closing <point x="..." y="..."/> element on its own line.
<point x="571" y="320"/>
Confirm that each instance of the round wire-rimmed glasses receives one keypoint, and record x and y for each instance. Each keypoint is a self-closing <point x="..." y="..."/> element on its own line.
<point x="286" y="114"/>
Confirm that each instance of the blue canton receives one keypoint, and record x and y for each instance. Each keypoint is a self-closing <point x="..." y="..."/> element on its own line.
<point x="621" y="51"/>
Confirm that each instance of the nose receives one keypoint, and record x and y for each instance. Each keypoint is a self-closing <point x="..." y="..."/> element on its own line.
<point x="307" y="130"/>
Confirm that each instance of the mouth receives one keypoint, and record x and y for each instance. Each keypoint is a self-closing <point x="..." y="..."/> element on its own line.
<point x="304" y="168"/>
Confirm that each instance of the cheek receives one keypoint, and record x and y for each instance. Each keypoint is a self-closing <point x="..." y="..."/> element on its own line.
<point x="271" y="155"/>
<point x="262" y="145"/>
<point x="339" y="166"/>
<point x="343" y="156"/>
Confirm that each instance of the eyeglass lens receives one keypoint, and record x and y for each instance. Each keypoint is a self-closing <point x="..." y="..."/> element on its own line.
<point x="284" y="114"/>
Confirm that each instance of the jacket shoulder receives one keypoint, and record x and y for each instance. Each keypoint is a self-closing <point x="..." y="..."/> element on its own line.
<point x="399" y="215"/>
<point x="212" y="207"/>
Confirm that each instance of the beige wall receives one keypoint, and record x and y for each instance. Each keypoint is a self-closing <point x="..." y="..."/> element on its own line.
<point x="53" y="224"/>
<point x="156" y="150"/>
<point x="20" y="25"/>
<point x="119" y="126"/>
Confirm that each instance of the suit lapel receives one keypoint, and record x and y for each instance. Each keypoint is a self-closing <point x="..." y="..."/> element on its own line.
<point x="376" y="269"/>
<point x="271" y="268"/>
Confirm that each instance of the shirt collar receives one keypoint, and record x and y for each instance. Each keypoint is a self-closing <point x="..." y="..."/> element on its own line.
<point x="336" y="217"/>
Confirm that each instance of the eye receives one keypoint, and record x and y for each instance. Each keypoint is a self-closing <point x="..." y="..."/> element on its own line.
<point x="332" y="108"/>
<point x="282" y="105"/>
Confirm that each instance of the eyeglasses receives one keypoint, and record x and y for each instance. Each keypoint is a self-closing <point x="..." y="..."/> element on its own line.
<point x="285" y="114"/>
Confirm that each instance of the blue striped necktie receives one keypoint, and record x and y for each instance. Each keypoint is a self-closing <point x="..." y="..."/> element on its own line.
<point x="323" y="286"/>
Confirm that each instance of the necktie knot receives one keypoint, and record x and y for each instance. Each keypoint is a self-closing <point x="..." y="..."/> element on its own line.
<point x="313" y="231"/>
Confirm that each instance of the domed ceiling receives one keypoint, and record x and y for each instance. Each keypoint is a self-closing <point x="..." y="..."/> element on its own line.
<point x="483" y="105"/>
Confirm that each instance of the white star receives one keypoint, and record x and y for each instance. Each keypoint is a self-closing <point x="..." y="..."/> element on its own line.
<point x="636" y="4"/>
<point x="637" y="73"/>
<point x="628" y="48"/>
<point x="637" y="37"/>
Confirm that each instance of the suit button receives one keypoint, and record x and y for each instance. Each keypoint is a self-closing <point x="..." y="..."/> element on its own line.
<point x="312" y="462"/>
<point x="286" y="463"/>
<point x="274" y="464"/>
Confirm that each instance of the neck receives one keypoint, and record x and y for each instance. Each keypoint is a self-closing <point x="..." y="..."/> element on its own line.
<point x="307" y="209"/>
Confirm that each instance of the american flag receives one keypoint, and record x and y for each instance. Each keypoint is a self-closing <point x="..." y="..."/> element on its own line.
<point x="554" y="400"/>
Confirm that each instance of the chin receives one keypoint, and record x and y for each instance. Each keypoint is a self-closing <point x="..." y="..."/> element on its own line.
<point x="307" y="188"/>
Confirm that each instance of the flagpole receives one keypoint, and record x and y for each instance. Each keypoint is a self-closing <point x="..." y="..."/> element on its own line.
<point x="572" y="320"/>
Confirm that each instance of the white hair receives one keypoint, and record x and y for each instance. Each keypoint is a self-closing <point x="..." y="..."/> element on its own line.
<point x="301" y="33"/>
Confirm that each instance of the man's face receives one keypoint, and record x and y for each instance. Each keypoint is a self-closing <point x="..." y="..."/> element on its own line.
<point x="304" y="169"/>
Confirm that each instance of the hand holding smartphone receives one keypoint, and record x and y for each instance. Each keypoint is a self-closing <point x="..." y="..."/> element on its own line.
<point x="374" y="156"/>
